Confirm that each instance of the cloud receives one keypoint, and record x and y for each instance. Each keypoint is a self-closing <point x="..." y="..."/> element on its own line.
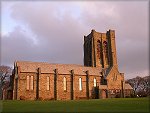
<point x="53" y="38"/>
<point x="131" y="25"/>
<point x="53" y="31"/>
<point x="16" y="46"/>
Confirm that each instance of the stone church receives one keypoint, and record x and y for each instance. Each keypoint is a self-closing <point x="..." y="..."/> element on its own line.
<point x="99" y="77"/>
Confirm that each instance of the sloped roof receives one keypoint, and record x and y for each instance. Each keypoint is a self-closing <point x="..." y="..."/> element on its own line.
<point x="103" y="87"/>
<point x="27" y="66"/>
<point x="128" y="86"/>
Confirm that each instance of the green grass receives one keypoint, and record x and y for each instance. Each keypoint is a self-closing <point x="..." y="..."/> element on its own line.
<point x="121" y="105"/>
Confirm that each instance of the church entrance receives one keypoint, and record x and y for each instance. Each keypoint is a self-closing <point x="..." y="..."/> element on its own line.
<point x="95" y="93"/>
<point x="104" y="93"/>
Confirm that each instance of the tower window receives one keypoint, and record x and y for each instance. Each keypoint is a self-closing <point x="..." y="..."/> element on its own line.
<point x="105" y="43"/>
<point x="105" y="48"/>
<point x="98" y="49"/>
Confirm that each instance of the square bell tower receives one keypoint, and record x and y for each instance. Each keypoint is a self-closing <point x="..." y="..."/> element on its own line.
<point x="100" y="49"/>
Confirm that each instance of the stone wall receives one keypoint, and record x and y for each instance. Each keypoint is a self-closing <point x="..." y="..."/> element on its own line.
<point x="43" y="92"/>
<point x="87" y="86"/>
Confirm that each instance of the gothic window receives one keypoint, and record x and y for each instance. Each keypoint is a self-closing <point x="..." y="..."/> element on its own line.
<point x="48" y="83"/>
<point x="65" y="83"/>
<point x="28" y="82"/>
<point x="98" y="49"/>
<point x="105" y="48"/>
<point x="80" y="84"/>
<point x="94" y="82"/>
<point x="31" y="82"/>
<point x="114" y="78"/>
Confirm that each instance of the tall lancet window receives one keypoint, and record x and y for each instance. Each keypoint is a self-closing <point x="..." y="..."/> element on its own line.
<point x="48" y="83"/>
<point x="80" y="84"/>
<point x="31" y="83"/>
<point x="28" y="82"/>
<point x="105" y="48"/>
<point x="99" y="50"/>
<point x="65" y="83"/>
<point x="94" y="82"/>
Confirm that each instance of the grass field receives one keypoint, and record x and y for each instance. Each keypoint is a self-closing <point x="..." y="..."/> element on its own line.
<point x="132" y="105"/>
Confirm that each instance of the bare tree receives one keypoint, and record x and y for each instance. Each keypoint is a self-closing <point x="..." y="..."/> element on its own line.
<point x="145" y="86"/>
<point x="141" y="85"/>
<point x="135" y="83"/>
<point x="5" y="72"/>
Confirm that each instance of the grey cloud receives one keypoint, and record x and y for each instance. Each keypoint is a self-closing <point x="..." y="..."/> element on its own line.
<point x="60" y="34"/>
<point x="130" y="21"/>
<point x="15" y="46"/>
<point x="55" y="37"/>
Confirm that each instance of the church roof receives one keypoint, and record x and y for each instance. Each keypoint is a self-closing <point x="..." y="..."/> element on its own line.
<point x="128" y="86"/>
<point x="27" y="66"/>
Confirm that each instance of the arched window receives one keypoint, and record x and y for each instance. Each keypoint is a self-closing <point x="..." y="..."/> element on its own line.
<point x="94" y="82"/>
<point x="105" y="48"/>
<point x="31" y="83"/>
<point x="80" y="84"/>
<point x="114" y="77"/>
<point x="28" y="83"/>
<point x="48" y="83"/>
<point x="99" y="49"/>
<point x="65" y="83"/>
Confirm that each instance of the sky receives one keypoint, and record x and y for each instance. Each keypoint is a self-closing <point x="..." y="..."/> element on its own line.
<point x="53" y="31"/>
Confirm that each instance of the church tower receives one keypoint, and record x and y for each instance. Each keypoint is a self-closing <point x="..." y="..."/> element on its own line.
<point x="100" y="49"/>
